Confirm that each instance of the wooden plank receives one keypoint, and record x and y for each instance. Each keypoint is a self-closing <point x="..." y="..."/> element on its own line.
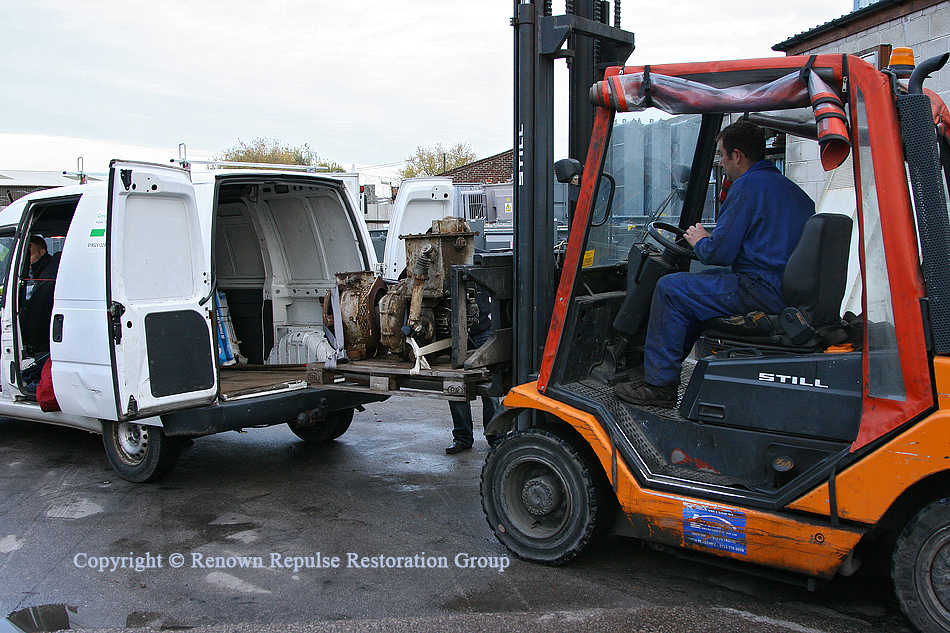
<point x="398" y="367"/>
<point x="245" y="379"/>
<point x="393" y="377"/>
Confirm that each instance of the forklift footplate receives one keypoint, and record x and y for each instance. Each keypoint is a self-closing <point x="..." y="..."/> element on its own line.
<point x="393" y="376"/>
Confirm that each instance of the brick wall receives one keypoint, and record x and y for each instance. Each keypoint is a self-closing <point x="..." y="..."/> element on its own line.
<point x="494" y="169"/>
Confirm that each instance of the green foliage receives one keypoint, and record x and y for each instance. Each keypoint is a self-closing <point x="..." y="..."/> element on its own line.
<point x="430" y="161"/>
<point x="264" y="150"/>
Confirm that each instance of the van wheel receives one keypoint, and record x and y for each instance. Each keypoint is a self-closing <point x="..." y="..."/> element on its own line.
<point x="139" y="453"/>
<point x="335" y="425"/>
<point x="921" y="570"/>
<point x="541" y="498"/>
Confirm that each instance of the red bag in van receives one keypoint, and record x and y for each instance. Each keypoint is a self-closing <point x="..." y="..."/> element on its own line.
<point x="44" y="391"/>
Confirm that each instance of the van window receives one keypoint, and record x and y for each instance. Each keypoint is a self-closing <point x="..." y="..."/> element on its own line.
<point x="158" y="264"/>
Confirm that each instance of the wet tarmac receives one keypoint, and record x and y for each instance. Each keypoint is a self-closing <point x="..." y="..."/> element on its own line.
<point x="379" y="530"/>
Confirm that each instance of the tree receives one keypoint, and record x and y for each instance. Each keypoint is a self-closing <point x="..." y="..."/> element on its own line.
<point x="429" y="161"/>
<point x="264" y="150"/>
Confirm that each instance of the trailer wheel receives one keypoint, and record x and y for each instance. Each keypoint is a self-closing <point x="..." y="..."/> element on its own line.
<point x="334" y="426"/>
<point x="138" y="452"/>
<point x="921" y="570"/>
<point x="541" y="499"/>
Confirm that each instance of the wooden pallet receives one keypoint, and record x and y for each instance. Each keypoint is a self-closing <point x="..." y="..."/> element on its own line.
<point x="392" y="375"/>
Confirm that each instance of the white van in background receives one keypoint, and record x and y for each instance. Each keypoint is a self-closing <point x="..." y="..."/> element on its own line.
<point x="150" y="262"/>
<point x="418" y="202"/>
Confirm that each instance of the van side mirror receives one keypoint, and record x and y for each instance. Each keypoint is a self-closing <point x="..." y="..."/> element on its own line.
<point x="567" y="169"/>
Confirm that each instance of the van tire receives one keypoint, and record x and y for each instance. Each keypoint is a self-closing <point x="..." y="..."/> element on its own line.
<point x="922" y="566"/>
<point x="335" y="425"/>
<point x="139" y="453"/>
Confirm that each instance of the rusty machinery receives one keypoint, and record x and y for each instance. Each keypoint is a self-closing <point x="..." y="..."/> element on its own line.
<point x="414" y="317"/>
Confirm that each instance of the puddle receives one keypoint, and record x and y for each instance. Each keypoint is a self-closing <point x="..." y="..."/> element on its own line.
<point x="47" y="618"/>
<point x="42" y="619"/>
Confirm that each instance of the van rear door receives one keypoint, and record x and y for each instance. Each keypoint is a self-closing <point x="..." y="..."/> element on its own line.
<point x="158" y="292"/>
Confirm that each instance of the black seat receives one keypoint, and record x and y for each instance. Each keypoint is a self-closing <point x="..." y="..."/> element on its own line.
<point x="813" y="286"/>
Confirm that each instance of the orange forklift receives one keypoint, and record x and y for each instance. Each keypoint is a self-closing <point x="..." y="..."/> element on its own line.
<point x="803" y="444"/>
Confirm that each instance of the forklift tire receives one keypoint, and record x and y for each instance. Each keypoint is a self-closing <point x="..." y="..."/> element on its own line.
<point x="139" y="453"/>
<point x="541" y="499"/>
<point x="921" y="570"/>
<point x="335" y="425"/>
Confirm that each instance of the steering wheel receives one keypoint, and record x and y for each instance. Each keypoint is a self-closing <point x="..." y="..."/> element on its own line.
<point x="679" y="246"/>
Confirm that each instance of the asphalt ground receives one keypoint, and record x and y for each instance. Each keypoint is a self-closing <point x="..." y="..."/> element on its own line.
<point x="71" y="532"/>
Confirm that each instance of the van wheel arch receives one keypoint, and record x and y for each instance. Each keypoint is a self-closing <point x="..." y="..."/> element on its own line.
<point x="139" y="453"/>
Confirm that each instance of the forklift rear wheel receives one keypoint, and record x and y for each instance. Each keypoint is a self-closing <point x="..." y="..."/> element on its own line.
<point x="138" y="452"/>
<point x="335" y="425"/>
<point x="541" y="499"/>
<point x="921" y="569"/>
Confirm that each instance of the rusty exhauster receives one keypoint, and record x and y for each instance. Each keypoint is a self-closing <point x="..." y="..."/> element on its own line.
<point x="418" y="305"/>
<point x="360" y="292"/>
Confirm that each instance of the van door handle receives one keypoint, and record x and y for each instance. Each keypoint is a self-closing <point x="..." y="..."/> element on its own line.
<point x="57" y="332"/>
<point x="116" y="310"/>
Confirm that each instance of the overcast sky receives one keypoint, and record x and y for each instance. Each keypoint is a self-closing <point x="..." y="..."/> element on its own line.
<point x="363" y="82"/>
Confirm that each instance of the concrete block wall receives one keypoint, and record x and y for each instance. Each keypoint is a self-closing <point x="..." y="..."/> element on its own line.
<point x="926" y="31"/>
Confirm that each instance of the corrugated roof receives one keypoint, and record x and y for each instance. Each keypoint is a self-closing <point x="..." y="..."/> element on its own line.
<point x="843" y="22"/>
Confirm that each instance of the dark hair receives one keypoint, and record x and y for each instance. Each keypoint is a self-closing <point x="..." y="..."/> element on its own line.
<point x="745" y="136"/>
<point x="39" y="241"/>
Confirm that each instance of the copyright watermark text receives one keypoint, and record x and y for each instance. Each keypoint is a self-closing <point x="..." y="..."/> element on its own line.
<point x="282" y="561"/>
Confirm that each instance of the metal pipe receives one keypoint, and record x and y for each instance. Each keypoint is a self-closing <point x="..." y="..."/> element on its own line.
<point x="915" y="85"/>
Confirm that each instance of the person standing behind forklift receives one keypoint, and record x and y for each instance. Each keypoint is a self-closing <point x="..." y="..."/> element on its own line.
<point x="463" y="428"/>
<point x="759" y="225"/>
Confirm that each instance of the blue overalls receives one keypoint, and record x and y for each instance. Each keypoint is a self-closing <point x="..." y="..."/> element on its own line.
<point x="759" y="226"/>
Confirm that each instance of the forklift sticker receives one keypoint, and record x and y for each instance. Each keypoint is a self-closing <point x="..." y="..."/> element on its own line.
<point x="716" y="528"/>
<point x="588" y="259"/>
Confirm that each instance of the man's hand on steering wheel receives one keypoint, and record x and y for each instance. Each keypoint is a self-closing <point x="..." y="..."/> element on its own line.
<point x="680" y="247"/>
<point x="695" y="233"/>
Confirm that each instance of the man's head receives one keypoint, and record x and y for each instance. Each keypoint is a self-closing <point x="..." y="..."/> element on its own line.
<point x="740" y="146"/>
<point x="37" y="248"/>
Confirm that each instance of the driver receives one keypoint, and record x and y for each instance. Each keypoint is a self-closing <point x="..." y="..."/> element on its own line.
<point x="759" y="225"/>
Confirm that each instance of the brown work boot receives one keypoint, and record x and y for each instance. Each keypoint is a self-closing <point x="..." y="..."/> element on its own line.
<point x="645" y="394"/>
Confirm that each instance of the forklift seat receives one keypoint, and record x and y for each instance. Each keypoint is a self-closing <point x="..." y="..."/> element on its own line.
<point x="813" y="285"/>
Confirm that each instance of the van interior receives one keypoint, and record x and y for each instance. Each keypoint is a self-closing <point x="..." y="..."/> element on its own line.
<point x="278" y="244"/>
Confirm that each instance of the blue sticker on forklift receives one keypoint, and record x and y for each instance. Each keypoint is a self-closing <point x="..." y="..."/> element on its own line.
<point x="714" y="527"/>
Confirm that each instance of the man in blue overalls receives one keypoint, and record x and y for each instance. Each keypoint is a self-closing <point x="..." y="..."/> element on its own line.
<point x="759" y="225"/>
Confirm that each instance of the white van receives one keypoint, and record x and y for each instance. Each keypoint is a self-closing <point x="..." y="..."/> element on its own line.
<point x="152" y="266"/>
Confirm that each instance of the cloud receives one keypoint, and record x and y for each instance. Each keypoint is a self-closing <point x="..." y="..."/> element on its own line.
<point x="360" y="81"/>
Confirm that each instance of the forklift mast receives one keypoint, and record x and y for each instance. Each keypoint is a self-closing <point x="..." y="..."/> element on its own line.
<point x="584" y="37"/>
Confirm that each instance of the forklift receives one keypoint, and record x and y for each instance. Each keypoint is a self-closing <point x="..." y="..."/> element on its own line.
<point x="803" y="444"/>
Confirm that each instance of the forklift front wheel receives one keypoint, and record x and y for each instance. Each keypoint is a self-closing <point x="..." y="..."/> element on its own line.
<point x="139" y="452"/>
<point x="335" y="425"/>
<point x="921" y="569"/>
<point x="541" y="499"/>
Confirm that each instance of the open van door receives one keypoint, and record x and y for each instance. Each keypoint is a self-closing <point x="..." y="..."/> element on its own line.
<point x="158" y="291"/>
